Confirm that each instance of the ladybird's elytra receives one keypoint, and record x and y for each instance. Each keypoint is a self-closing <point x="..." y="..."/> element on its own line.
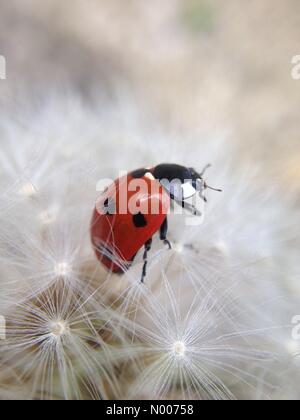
<point x="122" y="234"/>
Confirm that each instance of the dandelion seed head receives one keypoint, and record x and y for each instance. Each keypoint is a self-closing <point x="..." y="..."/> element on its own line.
<point x="56" y="340"/>
<point x="196" y="328"/>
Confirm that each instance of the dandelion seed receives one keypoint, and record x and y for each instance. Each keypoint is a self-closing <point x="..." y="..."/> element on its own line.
<point x="293" y="347"/>
<point x="179" y="349"/>
<point x="207" y="357"/>
<point x="28" y="190"/>
<point x="47" y="217"/>
<point x="62" y="269"/>
<point x="178" y="247"/>
<point x="222" y="247"/>
<point x="57" y="338"/>
<point x="59" y="328"/>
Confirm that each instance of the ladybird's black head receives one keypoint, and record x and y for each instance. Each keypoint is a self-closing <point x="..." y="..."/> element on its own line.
<point x="181" y="182"/>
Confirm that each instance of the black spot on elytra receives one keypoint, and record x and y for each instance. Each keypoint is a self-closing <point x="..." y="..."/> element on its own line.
<point x="139" y="220"/>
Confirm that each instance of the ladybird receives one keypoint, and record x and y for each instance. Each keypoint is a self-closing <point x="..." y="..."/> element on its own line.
<point x="135" y="207"/>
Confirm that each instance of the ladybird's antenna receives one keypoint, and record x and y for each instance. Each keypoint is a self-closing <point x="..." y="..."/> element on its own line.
<point x="212" y="188"/>
<point x="205" y="169"/>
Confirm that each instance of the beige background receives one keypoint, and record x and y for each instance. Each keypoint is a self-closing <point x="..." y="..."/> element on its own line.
<point x="223" y="65"/>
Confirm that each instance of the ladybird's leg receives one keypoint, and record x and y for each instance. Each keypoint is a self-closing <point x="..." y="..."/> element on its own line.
<point x="205" y="169"/>
<point x="164" y="233"/>
<point x="148" y="246"/>
<point x="190" y="208"/>
<point x="203" y="198"/>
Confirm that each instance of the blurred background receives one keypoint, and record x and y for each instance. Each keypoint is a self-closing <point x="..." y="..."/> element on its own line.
<point x="224" y="66"/>
<point x="208" y="73"/>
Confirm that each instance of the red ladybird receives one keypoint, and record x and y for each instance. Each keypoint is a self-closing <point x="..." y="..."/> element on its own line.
<point x="135" y="207"/>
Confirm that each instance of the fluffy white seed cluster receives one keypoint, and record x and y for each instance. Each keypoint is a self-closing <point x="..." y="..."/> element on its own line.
<point x="213" y="319"/>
